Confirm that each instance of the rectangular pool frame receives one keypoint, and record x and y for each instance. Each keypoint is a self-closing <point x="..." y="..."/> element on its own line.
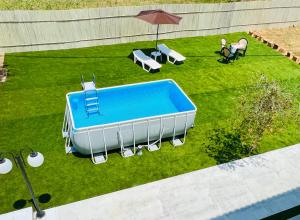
<point x="178" y="123"/>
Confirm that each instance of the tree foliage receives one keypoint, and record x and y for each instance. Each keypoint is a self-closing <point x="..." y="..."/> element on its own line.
<point x="263" y="108"/>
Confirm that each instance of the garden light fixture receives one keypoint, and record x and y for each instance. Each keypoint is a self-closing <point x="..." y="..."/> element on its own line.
<point x="34" y="159"/>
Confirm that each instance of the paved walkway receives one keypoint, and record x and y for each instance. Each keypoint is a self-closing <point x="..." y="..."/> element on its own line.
<point x="250" y="188"/>
<point x="23" y="214"/>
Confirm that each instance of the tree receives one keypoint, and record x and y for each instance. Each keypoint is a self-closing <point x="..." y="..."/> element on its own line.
<point x="265" y="107"/>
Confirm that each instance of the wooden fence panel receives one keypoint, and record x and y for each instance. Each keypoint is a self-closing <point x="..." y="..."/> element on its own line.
<point x="63" y="29"/>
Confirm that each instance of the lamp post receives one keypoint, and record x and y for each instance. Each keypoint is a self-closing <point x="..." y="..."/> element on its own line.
<point x="34" y="159"/>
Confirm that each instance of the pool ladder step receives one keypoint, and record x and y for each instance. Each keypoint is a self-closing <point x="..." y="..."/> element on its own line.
<point x="91" y="99"/>
<point x="91" y="103"/>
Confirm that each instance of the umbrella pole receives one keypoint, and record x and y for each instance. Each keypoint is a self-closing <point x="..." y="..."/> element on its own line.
<point x="156" y="36"/>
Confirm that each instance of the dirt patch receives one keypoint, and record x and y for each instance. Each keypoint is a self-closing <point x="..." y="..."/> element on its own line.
<point x="285" y="40"/>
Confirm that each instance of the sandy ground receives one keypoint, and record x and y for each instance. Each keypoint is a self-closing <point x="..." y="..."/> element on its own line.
<point x="287" y="38"/>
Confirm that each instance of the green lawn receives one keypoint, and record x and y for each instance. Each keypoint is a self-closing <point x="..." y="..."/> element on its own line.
<point x="69" y="4"/>
<point x="32" y="104"/>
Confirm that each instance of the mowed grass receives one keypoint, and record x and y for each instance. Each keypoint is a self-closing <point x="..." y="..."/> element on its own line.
<point x="70" y="4"/>
<point x="32" y="104"/>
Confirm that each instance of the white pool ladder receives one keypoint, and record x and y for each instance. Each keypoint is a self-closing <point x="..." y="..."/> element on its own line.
<point x="91" y="98"/>
<point x="176" y="141"/>
<point x="98" y="158"/>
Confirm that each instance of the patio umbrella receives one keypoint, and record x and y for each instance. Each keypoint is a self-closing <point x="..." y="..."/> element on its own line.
<point x="158" y="17"/>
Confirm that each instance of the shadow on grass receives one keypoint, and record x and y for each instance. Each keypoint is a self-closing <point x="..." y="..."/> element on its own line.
<point x="44" y="198"/>
<point x="223" y="61"/>
<point x="79" y="155"/>
<point x="225" y="146"/>
<point x="19" y="204"/>
<point x="218" y="52"/>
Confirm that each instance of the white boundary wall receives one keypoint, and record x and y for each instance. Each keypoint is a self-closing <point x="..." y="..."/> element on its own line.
<point x="63" y="29"/>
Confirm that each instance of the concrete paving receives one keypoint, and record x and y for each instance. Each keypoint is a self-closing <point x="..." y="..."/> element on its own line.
<point x="251" y="188"/>
<point x="22" y="214"/>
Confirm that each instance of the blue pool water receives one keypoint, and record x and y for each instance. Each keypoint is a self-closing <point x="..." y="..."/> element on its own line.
<point x="130" y="102"/>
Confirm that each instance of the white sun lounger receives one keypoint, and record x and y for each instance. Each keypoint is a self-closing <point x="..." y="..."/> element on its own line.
<point x="145" y="60"/>
<point x="170" y="54"/>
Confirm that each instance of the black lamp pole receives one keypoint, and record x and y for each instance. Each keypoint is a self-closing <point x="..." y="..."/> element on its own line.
<point x="40" y="213"/>
<point x="18" y="158"/>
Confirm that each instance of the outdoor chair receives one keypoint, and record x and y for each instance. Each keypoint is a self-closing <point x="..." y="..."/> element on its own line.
<point x="172" y="55"/>
<point x="241" y="46"/>
<point x="244" y="42"/>
<point x="229" y="54"/>
<point x="147" y="63"/>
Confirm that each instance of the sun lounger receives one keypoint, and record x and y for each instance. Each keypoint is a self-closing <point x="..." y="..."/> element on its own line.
<point x="172" y="55"/>
<point x="145" y="61"/>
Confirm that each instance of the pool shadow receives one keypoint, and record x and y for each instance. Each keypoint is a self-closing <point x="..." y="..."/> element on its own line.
<point x="79" y="155"/>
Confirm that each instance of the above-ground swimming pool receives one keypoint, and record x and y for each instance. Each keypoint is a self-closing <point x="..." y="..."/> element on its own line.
<point x="128" y="115"/>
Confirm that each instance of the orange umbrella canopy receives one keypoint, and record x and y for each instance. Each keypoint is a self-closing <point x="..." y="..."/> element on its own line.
<point x="158" y="17"/>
